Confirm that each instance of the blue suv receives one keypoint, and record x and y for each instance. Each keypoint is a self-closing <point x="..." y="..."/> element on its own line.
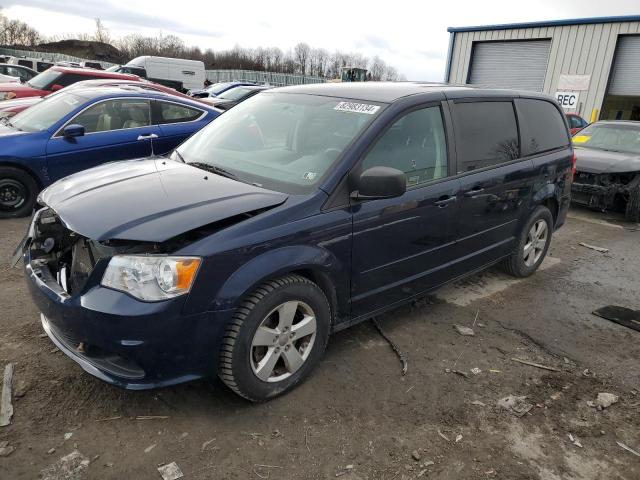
<point x="85" y="127"/>
<point x="298" y="213"/>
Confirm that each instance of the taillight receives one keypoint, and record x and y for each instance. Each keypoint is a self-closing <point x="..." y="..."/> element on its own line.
<point x="574" y="160"/>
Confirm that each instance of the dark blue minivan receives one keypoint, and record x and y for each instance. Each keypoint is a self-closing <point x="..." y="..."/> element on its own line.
<point x="300" y="212"/>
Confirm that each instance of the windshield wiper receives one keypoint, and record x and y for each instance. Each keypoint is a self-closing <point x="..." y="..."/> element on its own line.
<point x="215" y="169"/>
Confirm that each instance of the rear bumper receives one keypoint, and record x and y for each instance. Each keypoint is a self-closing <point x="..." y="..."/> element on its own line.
<point x="125" y="342"/>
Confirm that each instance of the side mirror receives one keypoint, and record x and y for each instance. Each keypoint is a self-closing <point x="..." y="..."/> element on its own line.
<point x="73" y="131"/>
<point x="56" y="87"/>
<point x="380" y="182"/>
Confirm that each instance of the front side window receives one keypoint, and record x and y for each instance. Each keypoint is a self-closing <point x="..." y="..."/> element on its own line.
<point x="167" y="112"/>
<point x="414" y="144"/>
<point x="282" y="141"/>
<point x="45" y="79"/>
<point x="615" y="137"/>
<point x="46" y="113"/>
<point x="542" y="126"/>
<point x="21" y="73"/>
<point x="486" y="134"/>
<point x="115" y="115"/>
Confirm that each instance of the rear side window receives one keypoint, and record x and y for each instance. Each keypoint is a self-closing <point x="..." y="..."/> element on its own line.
<point x="26" y="63"/>
<point x="486" y="134"/>
<point x="542" y="126"/>
<point x="166" y="112"/>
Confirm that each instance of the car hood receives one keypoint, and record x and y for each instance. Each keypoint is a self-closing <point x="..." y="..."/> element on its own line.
<point x="16" y="87"/>
<point x="7" y="131"/>
<point x="151" y="200"/>
<point x="19" y="103"/>
<point x="601" y="161"/>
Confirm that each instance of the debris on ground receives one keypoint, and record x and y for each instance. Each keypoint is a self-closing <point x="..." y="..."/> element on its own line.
<point x="604" y="400"/>
<point x="150" y="447"/>
<point x="457" y="372"/>
<point x="534" y="364"/>
<point x="6" y="449"/>
<point x="6" y="408"/>
<point x="415" y="455"/>
<point x="575" y="441"/>
<point x="51" y="450"/>
<point x="628" y="449"/>
<point x="621" y="315"/>
<point x="478" y="403"/>
<point x="68" y="435"/>
<point x="593" y="247"/>
<point x="152" y="417"/>
<point x="108" y="419"/>
<point x="458" y="438"/>
<point x="69" y="467"/>
<point x="425" y="470"/>
<point x="346" y="470"/>
<point x="515" y="404"/>
<point x="465" y="331"/>
<point x="442" y="435"/>
<point x="401" y="355"/>
<point x="206" y="444"/>
<point x="170" y="471"/>
<point x="476" y="371"/>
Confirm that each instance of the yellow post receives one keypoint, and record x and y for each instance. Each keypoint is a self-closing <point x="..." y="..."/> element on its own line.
<point x="594" y="115"/>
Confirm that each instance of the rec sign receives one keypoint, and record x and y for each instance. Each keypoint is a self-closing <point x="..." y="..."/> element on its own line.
<point x="568" y="100"/>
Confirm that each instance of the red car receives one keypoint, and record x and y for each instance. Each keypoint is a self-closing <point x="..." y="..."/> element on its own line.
<point x="576" y="122"/>
<point x="56" y="78"/>
<point x="9" y="108"/>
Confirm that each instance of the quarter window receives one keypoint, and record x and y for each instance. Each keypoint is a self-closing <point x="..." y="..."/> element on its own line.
<point x="487" y="134"/>
<point x="414" y="144"/>
<point x="542" y="126"/>
<point x="173" y="113"/>
<point x="115" y="115"/>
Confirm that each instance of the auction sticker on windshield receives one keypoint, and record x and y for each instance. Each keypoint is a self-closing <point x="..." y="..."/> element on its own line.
<point x="357" y="108"/>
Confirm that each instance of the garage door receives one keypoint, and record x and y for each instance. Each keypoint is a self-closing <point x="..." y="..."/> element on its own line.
<point x="625" y="76"/>
<point x="520" y="65"/>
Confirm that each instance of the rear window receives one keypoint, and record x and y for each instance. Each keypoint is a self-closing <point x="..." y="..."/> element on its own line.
<point x="541" y="125"/>
<point x="486" y="134"/>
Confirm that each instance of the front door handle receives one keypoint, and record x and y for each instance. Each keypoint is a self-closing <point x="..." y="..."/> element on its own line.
<point x="148" y="136"/>
<point x="445" y="200"/>
<point x="473" y="192"/>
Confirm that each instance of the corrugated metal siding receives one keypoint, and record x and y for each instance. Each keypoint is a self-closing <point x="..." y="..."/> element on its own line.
<point x="625" y="77"/>
<point x="514" y="64"/>
<point x="575" y="50"/>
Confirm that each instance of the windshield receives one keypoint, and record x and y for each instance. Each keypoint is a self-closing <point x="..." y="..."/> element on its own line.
<point x="46" y="113"/>
<point x="235" y="93"/>
<point x="624" y="138"/>
<point x="284" y="142"/>
<point x="217" y="87"/>
<point x="44" y="80"/>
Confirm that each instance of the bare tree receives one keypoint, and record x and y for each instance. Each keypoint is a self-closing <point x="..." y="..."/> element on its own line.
<point x="301" y="52"/>
<point x="377" y="68"/>
<point x="102" y="33"/>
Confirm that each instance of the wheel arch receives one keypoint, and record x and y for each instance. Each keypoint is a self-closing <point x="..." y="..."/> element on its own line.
<point x="28" y="171"/>
<point x="548" y="196"/>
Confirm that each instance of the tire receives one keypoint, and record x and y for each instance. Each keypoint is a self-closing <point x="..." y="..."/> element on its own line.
<point x="520" y="264"/>
<point x="632" y="213"/>
<point x="18" y="192"/>
<point x="259" y="360"/>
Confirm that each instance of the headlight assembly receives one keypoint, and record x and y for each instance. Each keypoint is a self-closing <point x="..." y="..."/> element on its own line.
<point x="150" y="277"/>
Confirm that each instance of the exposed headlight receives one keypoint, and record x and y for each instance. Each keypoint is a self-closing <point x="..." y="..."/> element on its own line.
<point x="7" y="95"/>
<point x="151" y="278"/>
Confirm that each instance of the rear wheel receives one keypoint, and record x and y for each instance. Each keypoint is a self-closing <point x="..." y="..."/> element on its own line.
<point x="18" y="191"/>
<point x="632" y="212"/>
<point x="533" y="243"/>
<point x="277" y="336"/>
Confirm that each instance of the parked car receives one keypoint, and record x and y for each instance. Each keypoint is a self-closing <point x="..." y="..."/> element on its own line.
<point x="576" y="123"/>
<point x="37" y="64"/>
<point x="54" y="79"/>
<point x="9" y="108"/>
<point x="82" y="128"/>
<point x="177" y="73"/>
<point x="90" y="64"/>
<point x="234" y="96"/>
<point x="24" y="74"/>
<point x="216" y="89"/>
<point x="298" y="213"/>
<point x="608" y="167"/>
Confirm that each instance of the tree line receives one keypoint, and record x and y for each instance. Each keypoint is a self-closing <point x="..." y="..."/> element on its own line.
<point x="302" y="59"/>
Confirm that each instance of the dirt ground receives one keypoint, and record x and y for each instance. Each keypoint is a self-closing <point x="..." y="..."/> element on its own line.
<point x="357" y="417"/>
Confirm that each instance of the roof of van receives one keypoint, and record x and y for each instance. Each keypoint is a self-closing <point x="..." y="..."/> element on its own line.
<point x="388" y="92"/>
<point x="145" y="57"/>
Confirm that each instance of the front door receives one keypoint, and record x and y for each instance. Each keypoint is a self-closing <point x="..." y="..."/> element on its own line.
<point x="495" y="182"/>
<point x="403" y="246"/>
<point x="118" y="129"/>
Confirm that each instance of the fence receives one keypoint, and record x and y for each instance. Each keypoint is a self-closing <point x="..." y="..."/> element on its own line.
<point x="269" y="78"/>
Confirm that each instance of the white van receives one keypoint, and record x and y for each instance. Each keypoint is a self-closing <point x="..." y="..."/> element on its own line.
<point x="177" y="73"/>
<point x="37" y="64"/>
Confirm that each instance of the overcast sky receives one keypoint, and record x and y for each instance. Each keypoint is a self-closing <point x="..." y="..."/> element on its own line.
<point x="410" y="35"/>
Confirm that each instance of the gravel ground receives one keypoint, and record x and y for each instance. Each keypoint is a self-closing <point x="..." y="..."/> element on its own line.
<point x="357" y="417"/>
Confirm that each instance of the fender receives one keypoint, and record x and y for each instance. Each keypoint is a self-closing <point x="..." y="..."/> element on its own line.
<point x="306" y="258"/>
<point x="36" y="167"/>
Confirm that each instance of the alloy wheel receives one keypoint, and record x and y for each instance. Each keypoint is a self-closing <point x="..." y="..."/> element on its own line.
<point x="536" y="242"/>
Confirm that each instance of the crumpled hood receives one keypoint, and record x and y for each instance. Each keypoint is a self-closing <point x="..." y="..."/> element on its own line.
<point x="150" y="200"/>
<point x="600" y="161"/>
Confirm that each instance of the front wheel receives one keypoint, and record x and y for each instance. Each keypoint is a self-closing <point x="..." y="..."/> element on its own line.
<point x="533" y="243"/>
<point x="18" y="191"/>
<point x="277" y="336"/>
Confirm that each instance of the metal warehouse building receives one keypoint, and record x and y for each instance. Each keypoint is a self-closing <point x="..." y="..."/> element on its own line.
<point x="591" y="64"/>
